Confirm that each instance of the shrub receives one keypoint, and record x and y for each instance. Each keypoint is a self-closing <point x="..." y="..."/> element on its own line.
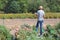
<point x="32" y="35"/>
<point x="24" y="34"/>
<point x="57" y="27"/>
<point x="4" y="34"/>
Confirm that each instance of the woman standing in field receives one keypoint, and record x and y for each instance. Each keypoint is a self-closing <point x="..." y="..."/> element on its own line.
<point x="40" y="14"/>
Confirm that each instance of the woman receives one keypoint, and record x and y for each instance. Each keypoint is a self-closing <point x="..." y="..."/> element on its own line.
<point x="40" y="14"/>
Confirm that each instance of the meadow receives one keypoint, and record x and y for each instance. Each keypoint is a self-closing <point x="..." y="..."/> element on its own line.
<point x="48" y="15"/>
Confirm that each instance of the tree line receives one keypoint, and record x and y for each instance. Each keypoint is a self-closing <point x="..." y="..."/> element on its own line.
<point x="23" y="6"/>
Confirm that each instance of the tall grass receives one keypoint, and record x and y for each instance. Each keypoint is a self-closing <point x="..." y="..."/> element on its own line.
<point x="27" y="15"/>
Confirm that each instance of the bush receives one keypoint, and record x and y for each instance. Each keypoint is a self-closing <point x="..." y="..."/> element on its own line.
<point x="51" y="34"/>
<point x="57" y="27"/>
<point x="12" y="7"/>
<point x="24" y="34"/>
<point x="4" y="34"/>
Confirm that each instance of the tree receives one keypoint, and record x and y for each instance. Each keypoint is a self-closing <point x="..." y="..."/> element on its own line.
<point x="13" y="7"/>
<point x="2" y="4"/>
<point x="54" y="5"/>
<point x="23" y="6"/>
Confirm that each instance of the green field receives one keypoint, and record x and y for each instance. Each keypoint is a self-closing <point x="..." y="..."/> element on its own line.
<point x="27" y="15"/>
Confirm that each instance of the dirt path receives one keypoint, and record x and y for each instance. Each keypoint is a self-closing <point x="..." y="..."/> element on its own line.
<point x="9" y="23"/>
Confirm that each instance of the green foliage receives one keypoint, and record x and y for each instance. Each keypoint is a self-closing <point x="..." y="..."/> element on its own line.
<point x="23" y="6"/>
<point x="28" y="15"/>
<point x="51" y="30"/>
<point x="24" y="34"/>
<point x="57" y="27"/>
<point x="2" y="4"/>
<point x="13" y="7"/>
<point x="4" y="34"/>
<point x="50" y="34"/>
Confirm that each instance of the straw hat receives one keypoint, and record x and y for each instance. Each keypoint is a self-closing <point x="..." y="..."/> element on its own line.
<point x="40" y="7"/>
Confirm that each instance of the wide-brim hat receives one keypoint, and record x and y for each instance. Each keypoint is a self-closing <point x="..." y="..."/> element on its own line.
<point x="40" y="7"/>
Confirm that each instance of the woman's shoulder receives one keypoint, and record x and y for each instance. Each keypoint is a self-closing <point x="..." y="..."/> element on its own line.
<point x="40" y="11"/>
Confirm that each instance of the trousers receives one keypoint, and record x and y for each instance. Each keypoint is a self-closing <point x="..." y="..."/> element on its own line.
<point x="37" y="25"/>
